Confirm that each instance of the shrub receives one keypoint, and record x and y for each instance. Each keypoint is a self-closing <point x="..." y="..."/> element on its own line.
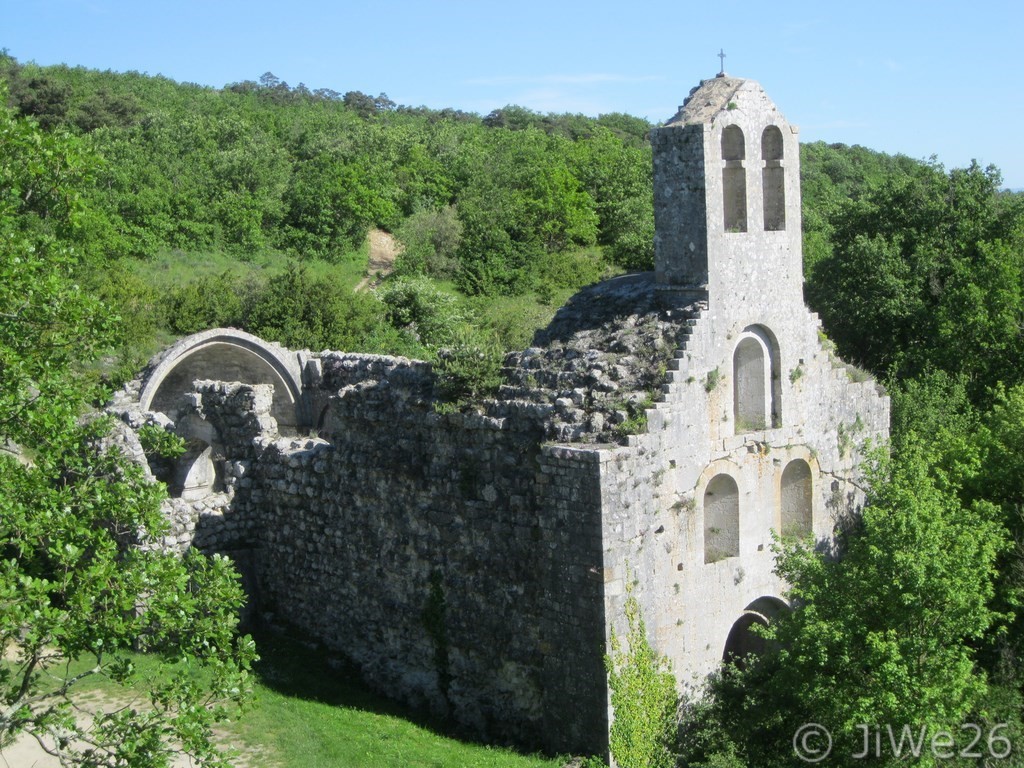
<point x="470" y="367"/>
<point x="414" y="304"/>
<point x="301" y="311"/>
<point x="431" y="239"/>
<point x="157" y="441"/>
<point x="138" y="305"/>
<point x="209" y="302"/>
<point x="643" y="697"/>
<point x="570" y="269"/>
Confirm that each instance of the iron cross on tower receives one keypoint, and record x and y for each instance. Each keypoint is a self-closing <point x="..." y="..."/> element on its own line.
<point x="721" y="55"/>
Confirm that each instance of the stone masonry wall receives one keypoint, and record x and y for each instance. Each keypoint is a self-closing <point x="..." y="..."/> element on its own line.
<point x="450" y="557"/>
<point x="653" y="488"/>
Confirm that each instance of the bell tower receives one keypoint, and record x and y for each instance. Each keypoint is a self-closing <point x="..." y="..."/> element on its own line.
<point x="727" y="199"/>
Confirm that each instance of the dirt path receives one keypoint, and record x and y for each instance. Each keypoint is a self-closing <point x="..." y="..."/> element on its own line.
<point x="383" y="250"/>
<point x="25" y="752"/>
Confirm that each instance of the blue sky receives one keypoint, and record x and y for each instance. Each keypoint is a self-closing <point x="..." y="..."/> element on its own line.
<point x="921" y="78"/>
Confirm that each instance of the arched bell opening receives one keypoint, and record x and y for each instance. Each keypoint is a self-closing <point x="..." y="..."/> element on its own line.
<point x="734" y="180"/>
<point x="773" y="179"/>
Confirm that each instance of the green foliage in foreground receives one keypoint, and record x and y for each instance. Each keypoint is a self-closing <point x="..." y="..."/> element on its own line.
<point x="73" y="585"/>
<point x="885" y="634"/>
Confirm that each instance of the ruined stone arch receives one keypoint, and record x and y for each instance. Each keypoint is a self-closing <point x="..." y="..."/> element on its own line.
<point x="721" y="508"/>
<point x="225" y="354"/>
<point x="757" y="387"/>
<point x="743" y="640"/>
<point x="773" y="179"/>
<point x="796" y="499"/>
<point x="734" y="179"/>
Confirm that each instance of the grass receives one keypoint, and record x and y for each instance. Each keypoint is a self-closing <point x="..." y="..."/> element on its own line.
<point x="172" y="268"/>
<point x="308" y="715"/>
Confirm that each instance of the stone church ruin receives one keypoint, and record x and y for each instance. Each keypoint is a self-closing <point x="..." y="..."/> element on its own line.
<point x="655" y="435"/>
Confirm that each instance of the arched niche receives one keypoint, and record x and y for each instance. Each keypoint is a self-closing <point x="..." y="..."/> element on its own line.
<point x="225" y="354"/>
<point x="721" y="519"/>
<point x="796" y="499"/>
<point x="743" y="639"/>
<point x="773" y="179"/>
<point x="734" y="180"/>
<point x="323" y="425"/>
<point x="749" y="369"/>
<point x="757" y="388"/>
<point x="197" y="472"/>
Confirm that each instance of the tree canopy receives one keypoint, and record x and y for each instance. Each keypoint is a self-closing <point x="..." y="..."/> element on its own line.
<point x="78" y="588"/>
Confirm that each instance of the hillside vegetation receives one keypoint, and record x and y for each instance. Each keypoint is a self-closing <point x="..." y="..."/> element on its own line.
<point x="250" y="206"/>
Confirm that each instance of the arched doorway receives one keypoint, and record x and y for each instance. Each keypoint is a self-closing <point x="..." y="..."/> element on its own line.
<point x="743" y="639"/>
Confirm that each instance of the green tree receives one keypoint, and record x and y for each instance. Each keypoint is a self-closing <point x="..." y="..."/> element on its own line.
<point x="996" y="442"/>
<point x="884" y="634"/>
<point x="331" y="205"/>
<point x="77" y="593"/>
<point x="923" y="271"/>
<point x="520" y="201"/>
<point x="303" y="312"/>
<point x="618" y="176"/>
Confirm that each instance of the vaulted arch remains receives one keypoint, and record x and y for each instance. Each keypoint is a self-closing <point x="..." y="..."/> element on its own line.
<point x="225" y="354"/>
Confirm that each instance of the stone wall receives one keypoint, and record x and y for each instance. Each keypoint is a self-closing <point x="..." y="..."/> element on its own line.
<point x="475" y="564"/>
<point x="653" y="489"/>
<point x="453" y="558"/>
<point x="469" y="564"/>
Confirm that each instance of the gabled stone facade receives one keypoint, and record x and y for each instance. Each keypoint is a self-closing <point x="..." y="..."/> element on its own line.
<point x="656" y="434"/>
